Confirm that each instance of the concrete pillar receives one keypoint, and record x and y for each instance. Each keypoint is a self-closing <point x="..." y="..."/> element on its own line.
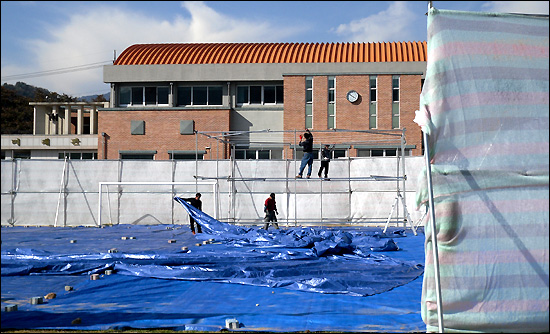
<point x="80" y="120"/>
<point x="93" y="120"/>
<point x="46" y="122"/>
<point x="67" y="121"/>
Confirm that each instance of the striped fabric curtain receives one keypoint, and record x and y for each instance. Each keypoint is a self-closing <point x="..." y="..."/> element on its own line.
<point x="485" y="107"/>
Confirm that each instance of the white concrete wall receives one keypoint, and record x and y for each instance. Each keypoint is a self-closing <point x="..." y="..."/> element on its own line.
<point x="48" y="192"/>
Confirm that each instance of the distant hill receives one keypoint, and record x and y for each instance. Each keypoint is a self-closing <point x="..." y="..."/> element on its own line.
<point x="91" y="98"/>
<point x="38" y="94"/>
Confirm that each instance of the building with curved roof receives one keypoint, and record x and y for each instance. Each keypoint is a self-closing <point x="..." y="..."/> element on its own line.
<point x="163" y="94"/>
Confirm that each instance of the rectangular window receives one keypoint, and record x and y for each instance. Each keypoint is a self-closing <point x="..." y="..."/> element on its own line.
<point x="242" y="94"/>
<point x="137" y="96"/>
<point x="331" y="122"/>
<point x="200" y="96"/>
<point x="269" y="94"/>
<point x="131" y="156"/>
<point x="309" y="103"/>
<point x="140" y="96"/>
<point x="150" y="95"/>
<point x="185" y="156"/>
<point x="125" y="96"/>
<point x="162" y="93"/>
<point x="184" y="96"/>
<point x="373" y="105"/>
<point x="395" y="102"/>
<point x="255" y="94"/>
<point x="279" y="94"/>
<point x="260" y="95"/>
<point x="215" y="94"/>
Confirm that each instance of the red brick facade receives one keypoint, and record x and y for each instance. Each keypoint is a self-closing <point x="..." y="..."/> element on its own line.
<point x="162" y="126"/>
<point x="162" y="132"/>
<point x="353" y="116"/>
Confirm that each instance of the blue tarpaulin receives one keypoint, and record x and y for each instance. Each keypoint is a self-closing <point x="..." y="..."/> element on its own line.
<point x="156" y="284"/>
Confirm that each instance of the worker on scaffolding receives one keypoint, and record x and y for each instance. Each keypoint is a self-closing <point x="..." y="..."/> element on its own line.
<point x="307" y="159"/>
<point x="270" y="209"/>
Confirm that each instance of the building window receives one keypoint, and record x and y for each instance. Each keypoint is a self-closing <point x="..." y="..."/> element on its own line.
<point x="137" y="156"/>
<point x="77" y="155"/>
<point x="186" y="156"/>
<point x="331" y="122"/>
<point x="143" y="96"/>
<point x="395" y="102"/>
<point x="21" y="154"/>
<point x="309" y="102"/>
<point x="373" y="102"/>
<point x="258" y="154"/>
<point x="381" y="152"/>
<point x="200" y="96"/>
<point x="272" y="94"/>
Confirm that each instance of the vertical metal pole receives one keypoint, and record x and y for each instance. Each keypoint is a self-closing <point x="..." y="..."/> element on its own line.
<point x="99" y="205"/>
<point x="434" y="233"/>
<point x="61" y="190"/>
<point x="196" y="161"/>
<point x="404" y="175"/>
<point x="295" y="180"/>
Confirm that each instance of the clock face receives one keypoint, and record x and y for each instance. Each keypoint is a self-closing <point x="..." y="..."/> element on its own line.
<point x="352" y="96"/>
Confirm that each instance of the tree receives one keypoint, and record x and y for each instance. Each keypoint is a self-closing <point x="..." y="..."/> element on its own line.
<point x="16" y="113"/>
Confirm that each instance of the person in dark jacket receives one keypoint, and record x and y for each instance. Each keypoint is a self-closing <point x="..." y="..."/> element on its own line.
<point x="307" y="159"/>
<point x="270" y="209"/>
<point x="197" y="203"/>
<point x="325" y="160"/>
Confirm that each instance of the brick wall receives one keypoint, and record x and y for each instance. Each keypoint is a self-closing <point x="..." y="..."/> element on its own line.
<point x="352" y="116"/>
<point x="162" y="131"/>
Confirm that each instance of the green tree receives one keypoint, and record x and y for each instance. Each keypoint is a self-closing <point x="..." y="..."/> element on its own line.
<point x="16" y="113"/>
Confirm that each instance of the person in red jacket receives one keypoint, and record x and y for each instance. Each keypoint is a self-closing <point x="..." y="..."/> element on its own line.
<point x="270" y="209"/>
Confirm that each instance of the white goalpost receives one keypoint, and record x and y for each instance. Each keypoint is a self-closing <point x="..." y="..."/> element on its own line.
<point x="102" y="185"/>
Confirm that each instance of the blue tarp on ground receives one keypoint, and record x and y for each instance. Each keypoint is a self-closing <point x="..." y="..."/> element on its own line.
<point x="284" y="280"/>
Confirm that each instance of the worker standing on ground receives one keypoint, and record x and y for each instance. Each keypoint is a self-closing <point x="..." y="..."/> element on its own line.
<point x="307" y="159"/>
<point x="197" y="203"/>
<point x="270" y="209"/>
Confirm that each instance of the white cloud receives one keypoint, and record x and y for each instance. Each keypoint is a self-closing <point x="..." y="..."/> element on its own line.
<point x="389" y="25"/>
<point x="524" y="7"/>
<point x="92" y="36"/>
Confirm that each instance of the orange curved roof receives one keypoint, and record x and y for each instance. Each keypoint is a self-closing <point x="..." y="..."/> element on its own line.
<point x="266" y="53"/>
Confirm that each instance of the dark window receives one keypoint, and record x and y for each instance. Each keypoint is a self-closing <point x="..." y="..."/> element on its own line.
<point x="186" y="156"/>
<point x="125" y="95"/>
<point x="242" y="94"/>
<point x="391" y="153"/>
<point x="150" y="95"/>
<point x="215" y="96"/>
<point x="184" y="96"/>
<point x="269" y="94"/>
<point x="255" y="94"/>
<point x="128" y="156"/>
<point x="163" y="93"/>
<point x="377" y="153"/>
<point x="279" y="94"/>
<point x="263" y="154"/>
<point x="137" y="95"/>
<point x="21" y="154"/>
<point x="200" y="96"/>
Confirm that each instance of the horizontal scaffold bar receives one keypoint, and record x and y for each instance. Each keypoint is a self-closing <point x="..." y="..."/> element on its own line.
<point x="363" y="178"/>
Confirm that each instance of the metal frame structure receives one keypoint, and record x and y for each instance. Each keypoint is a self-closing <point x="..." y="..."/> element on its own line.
<point x="231" y="138"/>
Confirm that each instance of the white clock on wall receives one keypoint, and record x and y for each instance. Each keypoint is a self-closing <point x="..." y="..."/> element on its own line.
<point x="352" y="96"/>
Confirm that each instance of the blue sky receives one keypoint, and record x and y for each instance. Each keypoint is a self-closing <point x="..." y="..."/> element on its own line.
<point x="62" y="45"/>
